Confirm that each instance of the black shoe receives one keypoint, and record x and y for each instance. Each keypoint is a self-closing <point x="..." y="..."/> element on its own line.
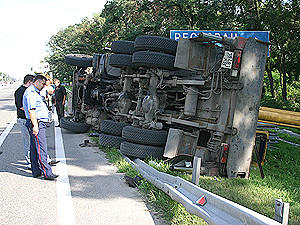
<point x="51" y="177"/>
<point x="53" y="162"/>
<point x="57" y="125"/>
<point x="36" y="176"/>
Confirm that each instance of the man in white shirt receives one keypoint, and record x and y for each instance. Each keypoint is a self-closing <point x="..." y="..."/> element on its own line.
<point x="47" y="93"/>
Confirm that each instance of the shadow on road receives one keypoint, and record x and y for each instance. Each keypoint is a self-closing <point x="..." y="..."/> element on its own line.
<point x="12" y="158"/>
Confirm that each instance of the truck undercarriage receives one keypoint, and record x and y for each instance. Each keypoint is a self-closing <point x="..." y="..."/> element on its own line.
<point x="195" y="97"/>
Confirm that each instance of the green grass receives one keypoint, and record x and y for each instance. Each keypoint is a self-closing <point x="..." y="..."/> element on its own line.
<point x="282" y="181"/>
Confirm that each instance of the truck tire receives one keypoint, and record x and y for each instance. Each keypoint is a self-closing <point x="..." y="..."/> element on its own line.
<point x="107" y="140"/>
<point x="120" y="60"/>
<point x="112" y="127"/>
<point x="153" y="59"/>
<point x="122" y="47"/>
<point x="72" y="126"/>
<point x="145" y="137"/>
<point x="141" y="151"/>
<point x="80" y="60"/>
<point x="156" y="44"/>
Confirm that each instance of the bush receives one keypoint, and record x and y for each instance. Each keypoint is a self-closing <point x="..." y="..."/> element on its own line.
<point x="268" y="101"/>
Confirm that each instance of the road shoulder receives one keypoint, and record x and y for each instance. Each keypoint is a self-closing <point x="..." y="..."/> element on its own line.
<point x="100" y="194"/>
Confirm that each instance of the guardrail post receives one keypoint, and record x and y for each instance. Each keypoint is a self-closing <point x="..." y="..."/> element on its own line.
<point x="282" y="211"/>
<point x="196" y="170"/>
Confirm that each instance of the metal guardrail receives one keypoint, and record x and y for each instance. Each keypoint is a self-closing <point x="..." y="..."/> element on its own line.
<point x="198" y="201"/>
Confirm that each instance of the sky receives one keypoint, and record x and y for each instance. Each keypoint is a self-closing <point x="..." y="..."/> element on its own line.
<point x="26" y="27"/>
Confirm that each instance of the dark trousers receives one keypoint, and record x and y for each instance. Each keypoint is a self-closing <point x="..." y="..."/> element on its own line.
<point x="60" y="110"/>
<point x="38" y="150"/>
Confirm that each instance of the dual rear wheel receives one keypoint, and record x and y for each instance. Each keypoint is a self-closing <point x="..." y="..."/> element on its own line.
<point x="132" y="141"/>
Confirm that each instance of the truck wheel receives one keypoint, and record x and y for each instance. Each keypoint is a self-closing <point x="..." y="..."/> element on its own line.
<point x="145" y="137"/>
<point x="153" y="59"/>
<point x="156" y="44"/>
<point x="112" y="127"/>
<point x="120" y="60"/>
<point x="80" y="60"/>
<point x="72" y="126"/>
<point x="141" y="151"/>
<point x="107" y="140"/>
<point x="123" y="47"/>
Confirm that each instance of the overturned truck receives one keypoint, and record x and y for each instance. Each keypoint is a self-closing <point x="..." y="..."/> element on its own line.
<point x="156" y="97"/>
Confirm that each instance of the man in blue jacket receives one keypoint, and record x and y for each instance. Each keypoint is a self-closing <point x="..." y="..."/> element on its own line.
<point x="36" y="112"/>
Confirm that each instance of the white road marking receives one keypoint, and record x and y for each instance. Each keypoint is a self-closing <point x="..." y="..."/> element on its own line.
<point x="7" y="130"/>
<point x="65" y="207"/>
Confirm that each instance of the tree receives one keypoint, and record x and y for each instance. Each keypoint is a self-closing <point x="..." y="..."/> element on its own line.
<point x="281" y="18"/>
<point x="83" y="38"/>
<point x="127" y="19"/>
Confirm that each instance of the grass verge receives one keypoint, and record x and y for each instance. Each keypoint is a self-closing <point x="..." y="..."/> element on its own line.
<point x="282" y="181"/>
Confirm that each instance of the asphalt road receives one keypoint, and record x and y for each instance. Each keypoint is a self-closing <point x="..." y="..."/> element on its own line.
<point x="7" y="104"/>
<point x="88" y="190"/>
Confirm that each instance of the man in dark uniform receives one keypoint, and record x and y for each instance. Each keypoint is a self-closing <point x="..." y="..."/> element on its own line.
<point x="36" y="112"/>
<point x="22" y="118"/>
<point x="60" y="99"/>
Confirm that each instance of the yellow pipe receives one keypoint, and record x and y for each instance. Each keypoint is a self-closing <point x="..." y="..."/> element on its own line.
<point x="279" y="111"/>
<point x="280" y="124"/>
<point x="281" y="117"/>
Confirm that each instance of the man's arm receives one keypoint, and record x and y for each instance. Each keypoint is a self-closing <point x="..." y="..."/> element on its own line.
<point x="64" y="96"/>
<point x="34" y="121"/>
<point x="64" y="100"/>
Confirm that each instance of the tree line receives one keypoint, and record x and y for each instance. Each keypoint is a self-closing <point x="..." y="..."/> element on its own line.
<point x="4" y="77"/>
<point x="127" y="19"/>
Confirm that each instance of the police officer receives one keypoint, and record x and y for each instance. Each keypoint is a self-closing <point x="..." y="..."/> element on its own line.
<point x="36" y="113"/>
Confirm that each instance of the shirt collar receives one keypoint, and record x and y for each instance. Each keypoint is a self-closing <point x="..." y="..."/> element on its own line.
<point x="34" y="87"/>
